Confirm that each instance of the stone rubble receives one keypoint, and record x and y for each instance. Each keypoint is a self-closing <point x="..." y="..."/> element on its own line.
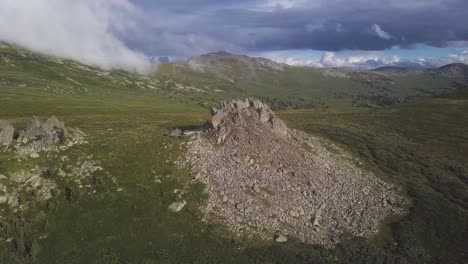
<point x="264" y="179"/>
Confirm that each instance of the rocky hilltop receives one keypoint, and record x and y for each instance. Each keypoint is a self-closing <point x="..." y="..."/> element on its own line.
<point x="265" y="180"/>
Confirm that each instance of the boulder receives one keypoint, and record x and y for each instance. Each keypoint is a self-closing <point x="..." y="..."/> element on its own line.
<point x="281" y="239"/>
<point x="318" y="215"/>
<point x="176" y="132"/>
<point x="177" y="206"/>
<point x="241" y="104"/>
<point x="7" y="132"/>
<point x="33" y="128"/>
<point x="256" y="188"/>
<point x="279" y="126"/>
<point x="217" y="118"/>
<point x="264" y="115"/>
<point x="51" y="124"/>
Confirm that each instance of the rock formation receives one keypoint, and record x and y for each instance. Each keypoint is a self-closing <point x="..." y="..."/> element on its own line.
<point x="39" y="136"/>
<point x="244" y="112"/>
<point x="22" y="184"/>
<point x="269" y="181"/>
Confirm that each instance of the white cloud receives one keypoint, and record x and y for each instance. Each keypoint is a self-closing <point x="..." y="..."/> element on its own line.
<point x="300" y="62"/>
<point x="82" y="30"/>
<point x="363" y="60"/>
<point x="379" y="32"/>
<point x="461" y="58"/>
<point x="366" y="60"/>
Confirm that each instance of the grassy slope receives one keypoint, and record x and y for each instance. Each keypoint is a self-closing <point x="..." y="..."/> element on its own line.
<point x="297" y="87"/>
<point x="420" y="146"/>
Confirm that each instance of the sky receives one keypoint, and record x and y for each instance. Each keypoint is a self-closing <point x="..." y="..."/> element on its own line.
<point x="133" y="34"/>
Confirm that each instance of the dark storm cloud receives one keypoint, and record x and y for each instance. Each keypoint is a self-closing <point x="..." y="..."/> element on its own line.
<point x="321" y="25"/>
<point x="125" y="33"/>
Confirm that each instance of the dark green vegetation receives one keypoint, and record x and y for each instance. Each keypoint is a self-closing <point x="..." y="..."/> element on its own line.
<point x="421" y="146"/>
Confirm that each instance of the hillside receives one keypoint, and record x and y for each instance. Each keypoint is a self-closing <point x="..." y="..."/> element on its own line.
<point x="297" y="87"/>
<point x="96" y="178"/>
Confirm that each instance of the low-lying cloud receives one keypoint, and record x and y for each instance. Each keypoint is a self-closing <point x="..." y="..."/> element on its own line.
<point x="84" y="30"/>
<point x="368" y="61"/>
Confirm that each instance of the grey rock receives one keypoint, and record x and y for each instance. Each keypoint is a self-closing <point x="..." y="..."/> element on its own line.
<point x="21" y="138"/>
<point x="293" y="214"/>
<point x="256" y="188"/>
<point x="217" y="118"/>
<point x="239" y="111"/>
<point x="264" y="115"/>
<point x="7" y="132"/>
<point x="318" y="215"/>
<point x="281" y="239"/>
<point x="177" y="206"/>
<point x="176" y="132"/>
<point x="51" y="124"/>
<point x="241" y="104"/>
<point x="278" y="126"/>
<point x="33" y="128"/>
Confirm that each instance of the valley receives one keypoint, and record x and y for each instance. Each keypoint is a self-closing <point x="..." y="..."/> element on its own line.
<point x="406" y="127"/>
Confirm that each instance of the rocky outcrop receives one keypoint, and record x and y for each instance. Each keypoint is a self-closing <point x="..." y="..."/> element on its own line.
<point x="264" y="179"/>
<point x="39" y="136"/>
<point x="246" y="112"/>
